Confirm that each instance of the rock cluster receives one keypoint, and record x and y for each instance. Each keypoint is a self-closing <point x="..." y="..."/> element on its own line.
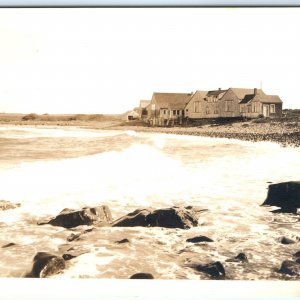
<point x="174" y="217"/>
<point x="68" y="218"/>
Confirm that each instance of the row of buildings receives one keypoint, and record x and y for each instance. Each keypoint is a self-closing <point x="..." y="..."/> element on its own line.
<point x="176" y="108"/>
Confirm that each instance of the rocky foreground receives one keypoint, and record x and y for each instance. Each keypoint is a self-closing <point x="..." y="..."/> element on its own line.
<point x="44" y="264"/>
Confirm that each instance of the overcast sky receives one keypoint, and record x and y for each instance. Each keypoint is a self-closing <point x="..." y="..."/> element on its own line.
<point x="107" y="60"/>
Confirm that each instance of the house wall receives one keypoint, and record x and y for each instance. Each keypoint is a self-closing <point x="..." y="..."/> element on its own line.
<point x="278" y="111"/>
<point x="203" y="110"/>
<point x="229" y="105"/>
<point x="254" y="109"/>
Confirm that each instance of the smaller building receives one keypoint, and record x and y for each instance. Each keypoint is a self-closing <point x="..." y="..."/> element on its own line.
<point x="132" y="115"/>
<point x="142" y="109"/>
<point x="258" y="104"/>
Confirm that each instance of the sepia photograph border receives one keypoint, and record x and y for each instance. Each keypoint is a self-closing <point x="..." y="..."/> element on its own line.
<point x="114" y="289"/>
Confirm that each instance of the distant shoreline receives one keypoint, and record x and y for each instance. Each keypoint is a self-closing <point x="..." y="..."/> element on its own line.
<point x="285" y="132"/>
<point x="277" y="133"/>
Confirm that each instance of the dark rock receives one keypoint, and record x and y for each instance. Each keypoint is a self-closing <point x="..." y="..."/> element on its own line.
<point x="73" y="237"/>
<point x="289" y="267"/>
<point x="241" y="257"/>
<point x="297" y="254"/>
<point x="284" y="240"/>
<point x="215" y="270"/>
<point x="46" y="264"/>
<point x="199" y="239"/>
<point x="174" y="217"/>
<point x="122" y="241"/>
<point x="74" y="252"/>
<point x="8" y="245"/>
<point x="68" y="256"/>
<point x="135" y="218"/>
<point x="68" y="218"/>
<point x="142" y="276"/>
<point x="298" y="260"/>
<point x="285" y="195"/>
<point x="5" y="205"/>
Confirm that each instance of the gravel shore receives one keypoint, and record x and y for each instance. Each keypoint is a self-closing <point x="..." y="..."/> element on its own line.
<point x="286" y="134"/>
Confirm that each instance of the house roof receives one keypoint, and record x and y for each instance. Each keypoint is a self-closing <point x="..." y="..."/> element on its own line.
<point x="241" y="93"/>
<point x="144" y="103"/>
<point x="263" y="98"/>
<point x="172" y="100"/>
<point x="269" y="98"/>
<point x="215" y="93"/>
<point x="200" y="93"/>
<point x="247" y="98"/>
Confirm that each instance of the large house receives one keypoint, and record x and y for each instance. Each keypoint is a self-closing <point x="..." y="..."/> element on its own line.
<point x="233" y="103"/>
<point x="175" y="108"/>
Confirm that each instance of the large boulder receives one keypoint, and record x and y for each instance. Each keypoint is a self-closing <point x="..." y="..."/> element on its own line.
<point x="46" y="264"/>
<point x="174" y="217"/>
<point x="285" y="195"/>
<point x="68" y="218"/>
<point x="199" y="239"/>
<point x="4" y="205"/>
<point x="289" y="267"/>
<point x="216" y="270"/>
<point x="142" y="276"/>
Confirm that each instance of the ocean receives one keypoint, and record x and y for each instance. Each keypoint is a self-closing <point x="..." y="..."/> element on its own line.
<point x="47" y="169"/>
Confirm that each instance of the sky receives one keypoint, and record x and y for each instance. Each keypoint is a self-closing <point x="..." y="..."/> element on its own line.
<point x="105" y="60"/>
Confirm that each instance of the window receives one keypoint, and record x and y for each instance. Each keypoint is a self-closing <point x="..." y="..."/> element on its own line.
<point x="174" y="112"/>
<point x="229" y="105"/>
<point x="216" y="111"/>
<point x="165" y="111"/>
<point x="207" y="111"/>
<point x="272" y="108"/>
<point x="178" y="112"/>
<point x="249" y="108"/>
<point x="196" y="106"/>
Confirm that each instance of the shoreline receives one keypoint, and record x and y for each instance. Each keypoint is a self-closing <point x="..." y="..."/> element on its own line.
<point x="287" y="134"/>
<point x="268" y="132"/>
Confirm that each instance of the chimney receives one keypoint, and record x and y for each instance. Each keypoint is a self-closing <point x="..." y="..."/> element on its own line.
<point x="255" y="91"/>
<point x="219" y="89"/>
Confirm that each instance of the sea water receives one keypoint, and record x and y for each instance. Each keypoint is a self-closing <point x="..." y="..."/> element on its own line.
<point x="47" y="169"/>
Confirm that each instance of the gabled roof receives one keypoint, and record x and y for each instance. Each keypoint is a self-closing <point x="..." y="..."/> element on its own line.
<point x="271" y="99"/>
<point x="268" y="98"/>
<point x="144" y="103"/>
<point x="215" y="93"/>
<point x="200" y="93"/>
<point x="263" y="98"/>
<point x="178" y="100"/>
<point x="247" y="99"/>
<point x="241" y="93"/>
